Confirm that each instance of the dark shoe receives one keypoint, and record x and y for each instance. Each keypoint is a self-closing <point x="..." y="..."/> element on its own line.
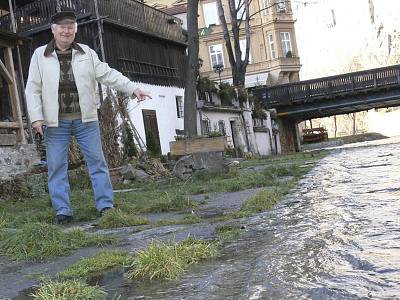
<point x="105" y="209"/>
<point x="63" y="219"/>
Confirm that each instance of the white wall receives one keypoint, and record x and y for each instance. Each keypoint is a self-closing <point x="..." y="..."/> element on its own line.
<point x="164" y="103"/>
<point x="183" y="17"/>
<point x="264" y="142"/>
<point x="386" y="123"/>
<point x="227" y="117"/>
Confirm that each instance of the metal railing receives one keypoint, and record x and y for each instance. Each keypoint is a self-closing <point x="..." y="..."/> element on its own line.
<point x="329" y="87"/>
<point x="128" y="13"/>
<point x="38" y="13"/>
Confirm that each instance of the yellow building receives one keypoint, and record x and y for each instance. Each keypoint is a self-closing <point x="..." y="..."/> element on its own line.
<point x="273" y="50"/>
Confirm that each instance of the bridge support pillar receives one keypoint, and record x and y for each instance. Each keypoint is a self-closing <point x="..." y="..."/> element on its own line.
<point x="289" y="135"/>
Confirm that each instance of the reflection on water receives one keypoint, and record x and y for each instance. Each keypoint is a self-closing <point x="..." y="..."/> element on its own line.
<point x="336" y="236"/>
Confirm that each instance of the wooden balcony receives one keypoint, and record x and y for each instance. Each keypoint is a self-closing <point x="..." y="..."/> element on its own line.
<point x="285" y="63"/>
<point x="129" y="13"/>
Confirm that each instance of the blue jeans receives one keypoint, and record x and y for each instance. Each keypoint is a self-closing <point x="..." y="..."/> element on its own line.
<point x="57" y="145"/>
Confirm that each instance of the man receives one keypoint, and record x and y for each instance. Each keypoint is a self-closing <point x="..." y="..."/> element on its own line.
<point x="61" y="100"/>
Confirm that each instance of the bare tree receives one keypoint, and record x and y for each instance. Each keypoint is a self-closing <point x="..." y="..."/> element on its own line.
<point x="238" y="14"/>
<point x="335" y="123"/>
<point x="190" y="112"/>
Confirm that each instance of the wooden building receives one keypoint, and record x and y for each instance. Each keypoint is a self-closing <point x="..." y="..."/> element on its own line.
<point x="10" y="104"/>
<point x="147" y="45"/>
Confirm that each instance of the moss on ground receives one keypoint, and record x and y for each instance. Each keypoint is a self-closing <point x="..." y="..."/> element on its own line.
<point x="227" y="232"/>
<point x="22" y="214"/>
<point x="39" y="241"/>
<point x="188" y="219"/>
<point x="27" y="232"/>
<point x="116" y="218"/>
<point x="101" y="262"/>
<point x="68" y="290"/>
<point x="171" y="195"/>
<point x="169" y="260"/>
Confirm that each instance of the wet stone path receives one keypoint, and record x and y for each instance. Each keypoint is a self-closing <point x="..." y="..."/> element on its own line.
<point x="336" y="236"/>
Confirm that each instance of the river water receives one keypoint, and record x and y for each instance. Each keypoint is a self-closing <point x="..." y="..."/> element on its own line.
<point x="336" y="236"/>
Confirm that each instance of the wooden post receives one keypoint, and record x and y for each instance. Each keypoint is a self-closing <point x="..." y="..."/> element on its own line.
<point x="102" y="52"/>
<point x="15" y="104"/>
<point x="13" y="24"/>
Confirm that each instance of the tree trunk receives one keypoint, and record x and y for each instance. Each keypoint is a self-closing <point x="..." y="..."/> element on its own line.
<point x="335" y="120"/>
<point x="190" y="111"/>
<point x="238" y="66"/>
<point x="238" y="77"/>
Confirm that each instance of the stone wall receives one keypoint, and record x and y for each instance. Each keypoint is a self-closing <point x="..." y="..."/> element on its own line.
<point x="17" y="160"/>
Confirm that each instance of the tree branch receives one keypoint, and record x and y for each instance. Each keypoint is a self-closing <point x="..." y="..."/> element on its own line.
<point x="235" y="31"/>
<point x="227" y="36"/>
<point x="247" y="30"/>
<point x="265" y="8"/>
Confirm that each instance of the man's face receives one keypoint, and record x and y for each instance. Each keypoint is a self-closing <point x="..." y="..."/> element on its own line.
<point x="64" y="34"/>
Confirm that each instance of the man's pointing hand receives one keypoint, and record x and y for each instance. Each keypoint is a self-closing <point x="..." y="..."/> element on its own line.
<point x="141" y="95"/>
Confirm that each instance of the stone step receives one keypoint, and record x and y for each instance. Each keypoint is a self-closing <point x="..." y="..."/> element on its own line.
<point x="8" y="139"/>
<point x="17" y="160"/>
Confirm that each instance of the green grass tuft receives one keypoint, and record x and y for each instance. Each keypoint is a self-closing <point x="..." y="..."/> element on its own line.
<point x="3" y="221"/>
<point x="116" y="218"/>
<point x="98" y="263"/>
<point x="171" y="201"/>
<point x="39" y="241"/>
<point x="262" y="201"/>
<point x="68" y="290"/>
<point x="168" y="261"/>
<point x="227" y="232"/>
<point x="189" y="219"/>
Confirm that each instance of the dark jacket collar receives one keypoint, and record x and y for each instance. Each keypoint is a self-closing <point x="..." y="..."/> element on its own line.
<point x="52" y="46"/>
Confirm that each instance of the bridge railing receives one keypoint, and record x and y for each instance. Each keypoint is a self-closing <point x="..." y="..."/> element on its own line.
<point x="328" y="87"/>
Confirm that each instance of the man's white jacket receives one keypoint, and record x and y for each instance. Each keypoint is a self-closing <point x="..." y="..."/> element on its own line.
<point x="44" y="76"/>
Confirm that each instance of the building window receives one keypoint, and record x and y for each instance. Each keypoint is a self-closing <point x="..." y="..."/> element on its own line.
<point x="205" y="126"/>
<point x="216" y="55"/>
<point x="243" y="49"/>
<point x="272" y="46"/>
<point x="266" y="7"/>
<point x="286" y="44"/>
<point x="179" y="106"/>
<point x="221" y="127"/>
<point x="281" y="6"/>
<point x="210" y="14"/>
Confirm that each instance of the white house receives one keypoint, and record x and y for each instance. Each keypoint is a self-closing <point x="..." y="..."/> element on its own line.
<point x="243" y="133"/>
<point x="166" y="106"/>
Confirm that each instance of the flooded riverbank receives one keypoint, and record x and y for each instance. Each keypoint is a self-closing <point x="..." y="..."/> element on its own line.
<point x="336" y="236"/>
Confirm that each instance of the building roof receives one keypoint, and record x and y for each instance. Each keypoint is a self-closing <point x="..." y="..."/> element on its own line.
<point x="4" y="3"/>
<point x="175" y="10"/>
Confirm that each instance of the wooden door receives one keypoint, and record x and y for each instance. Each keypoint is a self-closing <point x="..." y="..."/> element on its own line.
<point x="151" y="130"/>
